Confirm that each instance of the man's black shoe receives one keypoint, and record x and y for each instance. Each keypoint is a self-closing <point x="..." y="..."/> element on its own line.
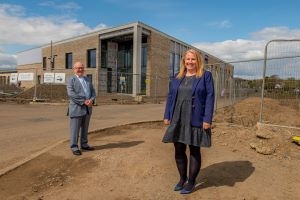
<point x="77" y="152"/>
<point x="88" y="148"/>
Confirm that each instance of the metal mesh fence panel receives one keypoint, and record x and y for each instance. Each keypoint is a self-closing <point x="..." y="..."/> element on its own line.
<point x="247" y="79"/>
<point x="281" y="77"/>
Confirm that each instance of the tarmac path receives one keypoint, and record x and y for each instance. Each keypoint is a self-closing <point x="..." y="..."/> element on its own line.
<point x="28" y="130"/>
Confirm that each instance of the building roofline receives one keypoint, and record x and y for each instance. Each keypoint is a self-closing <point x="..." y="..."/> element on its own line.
<point x="97" y="32"/>
<point x="126" y="26"/>
<point x="3" y="71"/>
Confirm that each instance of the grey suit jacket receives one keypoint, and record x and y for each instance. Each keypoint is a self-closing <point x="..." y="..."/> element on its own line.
<point x="77" y="97"/>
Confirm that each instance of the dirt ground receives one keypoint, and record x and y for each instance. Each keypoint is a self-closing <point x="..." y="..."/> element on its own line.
<point x="246" y="162"/>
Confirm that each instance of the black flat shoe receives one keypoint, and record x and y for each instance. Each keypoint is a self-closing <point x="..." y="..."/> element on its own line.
<point x="188" y="188"/>
<point x="179" y="185"/>
<point x="77" y="152"/>
<point x="88" y="148"/>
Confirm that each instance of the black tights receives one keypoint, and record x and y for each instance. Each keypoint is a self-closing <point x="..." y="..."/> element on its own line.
<point x="182" y="162"/>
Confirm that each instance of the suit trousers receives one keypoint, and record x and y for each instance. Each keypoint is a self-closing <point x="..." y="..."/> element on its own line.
<point x="79" y="124"/>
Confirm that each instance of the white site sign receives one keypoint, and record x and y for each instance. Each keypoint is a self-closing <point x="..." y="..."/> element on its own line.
<point x="60" y="77"/>
<point x="48" y="77"/>
<point x="26" y="76"/>
<point x="13" y="78"/>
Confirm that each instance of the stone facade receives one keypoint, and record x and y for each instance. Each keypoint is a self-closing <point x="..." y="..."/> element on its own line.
<point x="158" y="65"/>
<point x="78" y="48"/>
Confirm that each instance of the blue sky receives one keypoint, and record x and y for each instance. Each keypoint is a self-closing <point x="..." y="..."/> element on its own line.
<point x="231" y="29"/>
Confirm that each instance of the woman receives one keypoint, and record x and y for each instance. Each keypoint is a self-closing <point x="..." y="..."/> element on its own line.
<point x="189" y="111"/>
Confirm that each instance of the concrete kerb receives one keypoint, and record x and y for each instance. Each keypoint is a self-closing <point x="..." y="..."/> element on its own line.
<point x="133" y="123"/>
<point x="35" y="155"/>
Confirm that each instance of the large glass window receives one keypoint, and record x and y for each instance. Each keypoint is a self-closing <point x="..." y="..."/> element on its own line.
<point x="90" y="77"/>
<point x="144" y="69"/>
<point x="44" y="63"/>
<point x="124" y="69"/>
<point x="103" y="54"/>
<point x="176" y="63"/>
<point x="91" y="58"/>
<point x="69" y="60"/>
<point x="174" y="59"/>
<point x="171" y="67"/>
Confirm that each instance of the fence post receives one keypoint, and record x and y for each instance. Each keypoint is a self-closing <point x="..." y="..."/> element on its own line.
<point x="35" y="82"/>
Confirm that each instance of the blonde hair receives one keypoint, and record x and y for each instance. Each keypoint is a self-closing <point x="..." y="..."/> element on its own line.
<point x="199" y="61"/>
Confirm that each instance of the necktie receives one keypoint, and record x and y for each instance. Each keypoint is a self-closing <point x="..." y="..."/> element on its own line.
<point x="85" y="88"/>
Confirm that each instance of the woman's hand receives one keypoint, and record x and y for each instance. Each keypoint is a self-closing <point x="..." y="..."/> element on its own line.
<point x="206" y="125"/>
<point x="166" y="121"/>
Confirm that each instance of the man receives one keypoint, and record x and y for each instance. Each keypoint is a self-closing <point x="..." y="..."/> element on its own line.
<point x="82" y="95"/>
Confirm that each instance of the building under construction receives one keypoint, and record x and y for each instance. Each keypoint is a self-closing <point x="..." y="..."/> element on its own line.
<point x="133" y="59"/>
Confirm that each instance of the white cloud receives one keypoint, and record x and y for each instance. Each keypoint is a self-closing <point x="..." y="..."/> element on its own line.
<point x="241" y="49"/>
<point x="221" y="24"/>
<point x="71" y="6"/>
<point x="7" y="61"/>
<point x="99" y="27"/>
<point x="247" y="55"/>
<point x="144" y="5"/>
<point x="35" y="31"/>
<point x="11" y="10"/>
<point x="270" y="33"/>
<point x="233" y="50"/>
